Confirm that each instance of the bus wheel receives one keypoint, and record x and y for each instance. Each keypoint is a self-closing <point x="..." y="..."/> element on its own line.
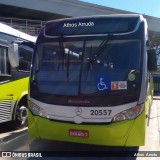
<point x="21" y="117"/>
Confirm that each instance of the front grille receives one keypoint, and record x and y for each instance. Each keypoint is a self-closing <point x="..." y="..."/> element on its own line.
<point x="83" y="123"/>
<point x="5" y="110"/>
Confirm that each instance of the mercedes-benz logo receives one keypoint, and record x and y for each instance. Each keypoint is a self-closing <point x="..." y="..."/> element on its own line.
<point x="78" y="111"/>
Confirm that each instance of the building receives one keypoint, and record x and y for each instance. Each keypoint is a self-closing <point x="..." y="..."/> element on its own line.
<point x="16" y="13"/>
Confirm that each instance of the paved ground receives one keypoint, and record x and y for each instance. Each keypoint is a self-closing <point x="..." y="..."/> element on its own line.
<point x="153" y="131"/>
<point x="19" y="141"/>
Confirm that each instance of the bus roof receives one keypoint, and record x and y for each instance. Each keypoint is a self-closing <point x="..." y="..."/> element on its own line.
<point x="101" y="24"/>
<point x="11" y="31"/>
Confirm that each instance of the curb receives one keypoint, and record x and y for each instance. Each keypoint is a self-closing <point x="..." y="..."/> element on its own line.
<point x="13" y="135"/>
<point x="158" y="115"/>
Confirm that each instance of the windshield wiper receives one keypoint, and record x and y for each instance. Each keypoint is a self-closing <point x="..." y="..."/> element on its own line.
<point x="81" y="68"/>
<point x="62" y="52"/>
<point x="65" y="51"/>
<point x="99" y="50"/>
<point x="68" y="62"/>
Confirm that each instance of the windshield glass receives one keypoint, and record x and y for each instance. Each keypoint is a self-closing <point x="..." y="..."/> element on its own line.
<point x="86" y="67"/>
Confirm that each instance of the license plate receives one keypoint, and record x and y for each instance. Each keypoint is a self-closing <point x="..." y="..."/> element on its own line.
<point x="79" y="133"/>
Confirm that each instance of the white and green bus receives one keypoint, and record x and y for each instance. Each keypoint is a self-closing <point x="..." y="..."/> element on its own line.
<point x="13" y="75"/>
<point x="89" y="81"/>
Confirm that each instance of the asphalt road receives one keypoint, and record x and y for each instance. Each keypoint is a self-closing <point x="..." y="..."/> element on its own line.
<point x="18" y="140"/>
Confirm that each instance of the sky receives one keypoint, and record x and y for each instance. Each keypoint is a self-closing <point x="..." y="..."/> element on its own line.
<point x="147" y="7"/>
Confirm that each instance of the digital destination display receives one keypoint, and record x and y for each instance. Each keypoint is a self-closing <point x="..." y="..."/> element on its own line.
<point x="90" y="25"/>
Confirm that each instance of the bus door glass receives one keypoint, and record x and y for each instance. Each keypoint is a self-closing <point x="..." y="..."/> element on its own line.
<point x="4" y="65"/>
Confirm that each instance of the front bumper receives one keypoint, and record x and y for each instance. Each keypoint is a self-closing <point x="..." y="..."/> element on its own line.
<point x="125" y="133"/>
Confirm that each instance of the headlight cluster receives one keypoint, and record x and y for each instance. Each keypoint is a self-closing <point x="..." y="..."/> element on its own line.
<point x="36" y="110"/>
<point x="129" y="114"/>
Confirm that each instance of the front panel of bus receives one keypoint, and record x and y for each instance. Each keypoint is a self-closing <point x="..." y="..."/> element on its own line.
<point x="90" y="84"/>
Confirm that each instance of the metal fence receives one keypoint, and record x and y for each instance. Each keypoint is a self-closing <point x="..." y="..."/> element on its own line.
<point x="31" y="27"/>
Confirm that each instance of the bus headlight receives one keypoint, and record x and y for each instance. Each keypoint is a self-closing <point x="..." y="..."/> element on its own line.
<point x="129" y="114"/>
<point x="36" y="110"/>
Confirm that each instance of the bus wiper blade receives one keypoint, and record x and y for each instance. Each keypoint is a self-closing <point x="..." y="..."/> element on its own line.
<point x="62" y="52"/>
<point x="88" y="62"/>
<point x="68" y="61"/>
<point x="99" y="49"/>
<point x="81" y="68"/>
<point x="65" y="51"/>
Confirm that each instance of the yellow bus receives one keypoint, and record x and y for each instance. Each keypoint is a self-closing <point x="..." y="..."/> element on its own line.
<point x="89" y="80"/>
<point x="14" y="79"/>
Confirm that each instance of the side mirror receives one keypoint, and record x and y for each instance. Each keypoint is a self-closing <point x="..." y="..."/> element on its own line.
<point x="13" y="55"/>
<point x="152" y="60"/>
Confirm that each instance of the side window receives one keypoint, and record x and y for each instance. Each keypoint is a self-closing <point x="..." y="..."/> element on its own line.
<point x="25" y="56"/>
<point x="4" y="63"/>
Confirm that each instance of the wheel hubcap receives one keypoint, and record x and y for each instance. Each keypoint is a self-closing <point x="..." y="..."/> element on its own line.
<point x="22" y="114"/>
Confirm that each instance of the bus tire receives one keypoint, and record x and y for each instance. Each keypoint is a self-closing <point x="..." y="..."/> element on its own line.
<point x="21" y="114"/>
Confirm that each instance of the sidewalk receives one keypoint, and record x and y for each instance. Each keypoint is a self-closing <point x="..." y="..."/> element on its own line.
<point x="153" y="131"/>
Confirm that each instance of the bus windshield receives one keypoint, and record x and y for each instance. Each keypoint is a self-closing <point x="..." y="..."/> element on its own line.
<point x="87" y="67"/>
